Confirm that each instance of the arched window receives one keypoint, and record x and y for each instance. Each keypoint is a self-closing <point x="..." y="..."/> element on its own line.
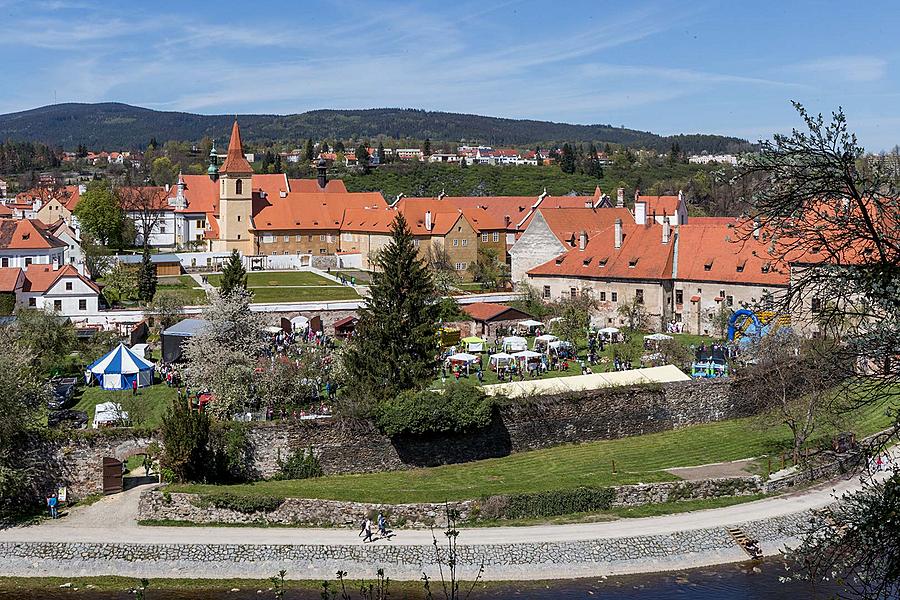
<point x="239" y="187"/>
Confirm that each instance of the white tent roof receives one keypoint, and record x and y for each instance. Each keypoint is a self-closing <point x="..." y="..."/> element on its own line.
<point x="530" y="323"/>
<point x="463" y="357"/>
<point x="557" y="385"/>
<point x="608" y="330"/>
<point x="527" y="354"/>
<point x="546" y="338"/>
<point x="657" y="337"/>
<point x="501" y="356"/>
<point x="273" y="329"/>
<point x="514" y="339"/>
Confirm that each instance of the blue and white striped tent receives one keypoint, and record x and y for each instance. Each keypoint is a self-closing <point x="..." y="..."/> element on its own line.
<point x="119" y="369"/>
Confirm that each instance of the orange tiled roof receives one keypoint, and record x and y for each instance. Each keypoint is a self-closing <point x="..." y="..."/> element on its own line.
<point x="135" y="197"/>
<point x="25" y="234"/>
<point x="660" y="205"/>
<point x="40" y="278"/>
<point x="568" y="223"/>
<point x="234" y="160"/>
<point x="10" y="279"/>
<point x="312" y="185"/>
<point x="443" y="216"/>
<point x="485" y="311"/>
<point x="721" y="253"/>
<point x="642" y="256"/>
<point x="310" y="211"/>
<point x="369" y="220"/>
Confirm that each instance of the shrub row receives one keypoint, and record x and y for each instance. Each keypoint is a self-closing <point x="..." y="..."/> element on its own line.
<point x="459" y="407"/>
<point x="547" y="504"/>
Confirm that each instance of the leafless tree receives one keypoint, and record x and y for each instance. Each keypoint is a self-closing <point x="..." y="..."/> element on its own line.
<point x="145" y="205"/>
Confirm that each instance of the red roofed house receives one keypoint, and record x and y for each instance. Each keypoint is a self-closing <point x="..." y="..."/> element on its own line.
<point x="62" y="290"/>
<point x="490" y="316"/>
<point x="58" y="204"/>
<point x="658" y="208"/>
<point x="24" y="242"/>
<point x="438" y="225"/>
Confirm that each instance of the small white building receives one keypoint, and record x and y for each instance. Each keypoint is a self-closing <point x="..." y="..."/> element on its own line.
<point x="62" y="290"/>
<point x="25" y="242"/>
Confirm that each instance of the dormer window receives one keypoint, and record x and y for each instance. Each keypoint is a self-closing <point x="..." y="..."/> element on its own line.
<point x="740" y="266"/>
<point x="559" y="260"/>
<point x="707" y="266"/>
<point x="766" y="267"/>
<point x="586" y="261"/>
<point x="633" y="262"/>
<point x="602" y="262"/>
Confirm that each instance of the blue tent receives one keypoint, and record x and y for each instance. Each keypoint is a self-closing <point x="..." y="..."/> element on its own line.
<point x="119" y="369"/>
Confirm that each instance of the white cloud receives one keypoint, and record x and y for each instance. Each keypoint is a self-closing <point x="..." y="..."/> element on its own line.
<point x="847" y="68"/>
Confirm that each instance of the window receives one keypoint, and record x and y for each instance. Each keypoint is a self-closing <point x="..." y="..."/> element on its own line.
<point x="82" y="304"/>
<point x="465" y="242"/>
<point x="639" y="296"/>
<point x="199" y="237"/>
<point x="28" y="260"/>
<point x="416" y="243"/>
<point x="721" y="293"/>
<point x="57" y="305"/>
<point x="239" y="236"/>
<point x="68" y="286"/>
<point x="201" y="224"/>
<point x="484" y="238"/>
<point x="239" y="187"/>
<point x="602" y="296"/>
<point x="162" y="228"/>
<point x="268" y="238"/>
<point x="32" y="302"/>
<point x="614" y="296"/>
<point x="679" y="296"/>
<point x="496" y="236"/>
<point x="573" y="292"/>
<point x="322" y="251"/>
<point x="816" y="305"/>
<point x="287" y="238"/>
<point x="5" y="261"/>
<point x="274" y="252"/>
<point x="310" y="238"/>
<point x="455" y="243"/>
<point x="239" y="218"/>
<point x="299" y="238"/>
<point x="322" y="238"/>
<point x="546" y="291"/>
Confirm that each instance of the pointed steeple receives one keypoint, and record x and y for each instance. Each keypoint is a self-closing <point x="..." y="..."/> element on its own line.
<point x="234" y="160"/>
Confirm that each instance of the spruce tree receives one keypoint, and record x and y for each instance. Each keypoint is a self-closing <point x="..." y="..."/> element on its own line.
<point x="426" y="147"/>
<point x="394" y="344"/>
<point x="234" y="275"/>
<point x="381" y="153"/>
<point x="567" y="159"/>
<point x="309" y="154"/>
<point x="146" y="278"/>
<point x="362" y="158"/>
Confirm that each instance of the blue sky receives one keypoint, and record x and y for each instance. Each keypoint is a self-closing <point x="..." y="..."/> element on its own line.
<point x="667" y="67"/>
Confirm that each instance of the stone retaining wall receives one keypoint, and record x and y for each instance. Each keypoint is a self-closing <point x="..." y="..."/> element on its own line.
<point x="525" y="424"/>
<point x="157" y="505"/>
<point x="543" y="559"/>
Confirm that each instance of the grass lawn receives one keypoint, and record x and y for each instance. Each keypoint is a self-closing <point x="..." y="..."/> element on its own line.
<point x="280" y="278"/>
<point x="638" y="459"/>
<point x="184" y="287"/>
<point x="303" y="294"/>
<point x="157" y="400"/>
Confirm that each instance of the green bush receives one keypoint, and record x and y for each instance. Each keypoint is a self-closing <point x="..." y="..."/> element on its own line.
<point x="301" y="464"/>
<point x="547" y="504"/>
<point x="244" y="503"/>
<point x="459" y="407"/>
<point x="7" y="303"/>
<point x="233" y="453"/>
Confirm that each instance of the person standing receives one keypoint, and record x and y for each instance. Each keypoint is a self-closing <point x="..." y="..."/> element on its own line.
<point x="382" y="525"/>
<point x="53" y="505"/>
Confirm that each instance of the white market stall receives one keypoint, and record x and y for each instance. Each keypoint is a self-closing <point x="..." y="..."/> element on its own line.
<point x="474" y="344"/>
<point x="463" y="359"/>
<point x="108" y="414"/>
<point x="119" y="369"/>
<point x="529" y="325"/>
<point x="542" y="342"/>
<point x="514" y="343"/>
<point x="501" y="359"/>
<point x="658" y="337"/>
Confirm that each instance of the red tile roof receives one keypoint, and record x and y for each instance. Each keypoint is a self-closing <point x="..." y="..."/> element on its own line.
<point x="487" y="311"/>
<point x="234" y="160"/>
<point x="10" y="279"/>
<point x="369" y="220"/>
<point x="137" y="198"/>
<point x="721" y="253"/>
<point x="40" y="278"/>
<point x="25" y="234"/>
<point x="660" y="205"/>
<point x="318" y="211"/>
<point x="443" y="216"/>
<point x="312" y="185"/>
<point x="642" y="256"/>
<point x="568" y="223"/>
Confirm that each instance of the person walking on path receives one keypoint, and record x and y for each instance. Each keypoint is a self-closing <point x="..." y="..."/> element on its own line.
<point x="382" y="525"/>
<point x="367" y="528"/>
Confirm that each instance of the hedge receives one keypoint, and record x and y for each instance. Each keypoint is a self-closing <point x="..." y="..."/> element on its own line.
<point x="459" y="407"/>
<point x="547" y="504"/>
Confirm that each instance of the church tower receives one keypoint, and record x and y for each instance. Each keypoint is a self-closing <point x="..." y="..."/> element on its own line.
<point x="235" y="180"/>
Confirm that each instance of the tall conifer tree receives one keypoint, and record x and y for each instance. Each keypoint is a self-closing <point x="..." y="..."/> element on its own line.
<point x="394" y="344"/>
<point x="233" y="274"/>
<point x="146" y="278"/>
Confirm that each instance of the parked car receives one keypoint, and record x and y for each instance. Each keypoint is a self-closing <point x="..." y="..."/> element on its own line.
<point x="67" y="419"/>
<point x="62" y="393"/>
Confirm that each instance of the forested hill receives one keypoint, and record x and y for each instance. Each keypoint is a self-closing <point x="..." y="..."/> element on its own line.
<point x="114" y="126"/>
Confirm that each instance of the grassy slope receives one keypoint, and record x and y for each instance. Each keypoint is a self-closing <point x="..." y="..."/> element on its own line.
<point x="638" y="459"/>
<point x="157" y="397"/>
<point x="277" y="278"/>
<point x="303" y="294"/>
<point x="184" y="287"/>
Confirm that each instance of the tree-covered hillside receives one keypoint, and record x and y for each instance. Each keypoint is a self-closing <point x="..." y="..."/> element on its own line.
<point x="120" y="126"/>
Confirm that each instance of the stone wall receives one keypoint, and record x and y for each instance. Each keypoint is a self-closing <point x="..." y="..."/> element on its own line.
<point x="158" y="505"/>
<point x="526" y="424"/>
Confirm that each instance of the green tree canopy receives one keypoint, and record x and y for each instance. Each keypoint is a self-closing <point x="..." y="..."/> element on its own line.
<point x="100" y="213"/>
<point x="163" y="172"/>
<point x="394" y="346"/>
<point x="234" y="275"/>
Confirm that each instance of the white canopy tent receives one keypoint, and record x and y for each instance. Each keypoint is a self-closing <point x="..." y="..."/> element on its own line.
<point x="463" y="357"/>
<point x="658" y="337"/>
<point x="501" y="358"/>
<point x="529" y="324"/>
<point x="474" y="344"/>
<point x="108" y="414"/>
<point x="576" y="383"/>
<point x="526" y="354"/>
<point x="273" y="329"/>
<point x="546" y="338"/>
<point x="514" y="343"/>
<point x="608" y="330"/>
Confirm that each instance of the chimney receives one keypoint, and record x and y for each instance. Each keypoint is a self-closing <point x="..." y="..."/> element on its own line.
<point x="507" y="220"/>
<point x="640" y="213"/>
<point x="167" y="188"/>
<point x="756" y="228"/>
<point x="56" y="264"/>
<point x="322" y="173"/>
<point x="427" y="220"/>
<point x="618" y="233"/>
<point x="680" y="196"/>
<point x="665" y="231"/>
<point x="620" y="197"/>
<point x="582" y="240"/>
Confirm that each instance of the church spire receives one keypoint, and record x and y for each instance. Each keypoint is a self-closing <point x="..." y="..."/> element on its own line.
<point x="234" y="159"/>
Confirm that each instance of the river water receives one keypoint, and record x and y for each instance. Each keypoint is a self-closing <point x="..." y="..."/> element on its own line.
<point x="730" y="582"/>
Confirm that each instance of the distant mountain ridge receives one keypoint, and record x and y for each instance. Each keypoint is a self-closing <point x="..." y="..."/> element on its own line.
<point x="115" y="126"/>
